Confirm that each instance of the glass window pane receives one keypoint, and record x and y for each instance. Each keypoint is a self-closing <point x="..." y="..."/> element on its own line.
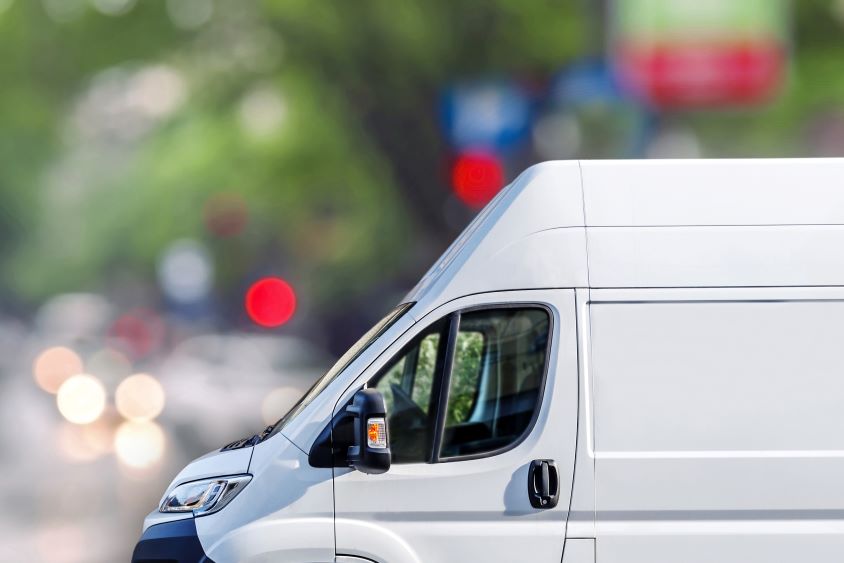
<point x="425" y="366"/>
<point x="465" y="376"/>
<point x="496" y="380"/>
<point x="406" y="383"/>
<point x="391" y="378"/>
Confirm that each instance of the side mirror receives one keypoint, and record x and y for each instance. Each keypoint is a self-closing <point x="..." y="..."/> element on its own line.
<point x="371" y="450"/>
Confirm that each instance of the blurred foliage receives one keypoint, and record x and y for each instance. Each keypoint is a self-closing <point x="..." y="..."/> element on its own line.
<point x="426" y="364"/>
<point x="348" y="190"/>
<point x="465" y="377"/>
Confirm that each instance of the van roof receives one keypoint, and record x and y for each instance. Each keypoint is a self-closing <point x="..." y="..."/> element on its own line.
<point x="652" y="223"/>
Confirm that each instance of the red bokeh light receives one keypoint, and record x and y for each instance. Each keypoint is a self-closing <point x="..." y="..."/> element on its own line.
<point x="138" y="333"/>
<point x="476" y="178"/>
<point x="270" y="302"/>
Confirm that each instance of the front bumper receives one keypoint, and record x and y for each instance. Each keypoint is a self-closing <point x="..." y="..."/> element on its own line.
<point x="170" y="542"/>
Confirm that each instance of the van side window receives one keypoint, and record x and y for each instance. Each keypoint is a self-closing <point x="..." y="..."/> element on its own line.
<point x="491" y="389"/>
<point x="496" y="380"/>
<point x="407" y="384"/>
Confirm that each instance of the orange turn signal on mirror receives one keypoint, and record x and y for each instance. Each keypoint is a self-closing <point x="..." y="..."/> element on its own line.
<point x="376" y="433"/>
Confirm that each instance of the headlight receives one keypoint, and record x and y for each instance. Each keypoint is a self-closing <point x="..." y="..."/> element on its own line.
<point x="204" y="497"/>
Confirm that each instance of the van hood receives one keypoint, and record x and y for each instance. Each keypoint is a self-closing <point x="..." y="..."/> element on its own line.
<point x="215" y="464"/>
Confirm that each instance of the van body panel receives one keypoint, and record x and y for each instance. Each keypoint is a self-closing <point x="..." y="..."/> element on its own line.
<point x="473" y="509"/>
<point x="714" y="294"/>
<point x="662" y="193"/>
<point x="213" y="464"/>
<point x="581" y="521"/>
<point x="529" y="236"/>
<point x="718" y="432"/>
<point x="734" y="544"/>
<point x="579" y="551"/>
<point x="716" y="256"/>
<point x="285" y="514"/>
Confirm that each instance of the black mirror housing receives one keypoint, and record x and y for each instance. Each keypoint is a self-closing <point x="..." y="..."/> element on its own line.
<point x="371" y="450"/>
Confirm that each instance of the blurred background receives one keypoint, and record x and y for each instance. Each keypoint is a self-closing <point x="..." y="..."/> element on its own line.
<point x="203" y="202"/>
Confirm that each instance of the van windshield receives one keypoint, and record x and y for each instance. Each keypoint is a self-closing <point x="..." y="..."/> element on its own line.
<point x="351" y="354"/>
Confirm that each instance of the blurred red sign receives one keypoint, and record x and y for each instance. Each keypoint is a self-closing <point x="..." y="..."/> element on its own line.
<point x="679" y="53"/>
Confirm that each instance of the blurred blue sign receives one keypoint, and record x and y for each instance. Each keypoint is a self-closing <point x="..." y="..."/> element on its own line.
<point x="491" y="114"/>
<point x="584" y="83"/>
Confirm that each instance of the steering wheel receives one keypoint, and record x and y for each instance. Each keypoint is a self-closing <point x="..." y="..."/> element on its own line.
<point x="405" y="409"/>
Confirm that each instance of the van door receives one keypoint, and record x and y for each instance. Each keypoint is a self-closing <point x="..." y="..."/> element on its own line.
<point x="482" y="410"/>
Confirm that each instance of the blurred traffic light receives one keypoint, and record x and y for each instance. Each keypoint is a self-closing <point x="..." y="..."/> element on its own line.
<point x="476" y="177"/>
<point x="270" y="302"/>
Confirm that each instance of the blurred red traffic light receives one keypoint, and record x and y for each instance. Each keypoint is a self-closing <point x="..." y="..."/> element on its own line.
<point x="476" y="177"/>
<point x="270" y="302"/>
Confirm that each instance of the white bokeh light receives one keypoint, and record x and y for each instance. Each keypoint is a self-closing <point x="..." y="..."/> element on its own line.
<point x="139" y="397"/>
<point x="81" y="399"/>
<point x="186" y="271"/>
<point x="139" y="445"/>
<point x="85" y="443"/>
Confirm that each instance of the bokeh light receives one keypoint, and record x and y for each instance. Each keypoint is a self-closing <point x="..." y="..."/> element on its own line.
<point x="270" y="302"/>
<point x="139" y="332"/>
<point x="476" y="178"/>
<point x="277" y="402"/>
<point x="139" y="397"/>
<point x="225" y="215"/>
<point x="190" y="14"/>
<point x="54" y="366"/>
<point x="72" y="445"/>
<point x="62" y="543"/>
<point x="85" y="443"/>
<point x="262" y="112"/>
<point x="81" y="399"/>
<point x="186" y="271"/>
<point x="557" y="136"/>
<point x="113" y="7"/>
<point x="139" y="444"/>
<point x="109" y="365"/>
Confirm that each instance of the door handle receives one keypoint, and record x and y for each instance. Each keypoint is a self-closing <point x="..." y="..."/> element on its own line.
<point x="543" y="483"/>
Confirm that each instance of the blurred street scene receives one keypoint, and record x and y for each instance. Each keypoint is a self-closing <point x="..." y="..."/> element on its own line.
<point x="204" y="202"/>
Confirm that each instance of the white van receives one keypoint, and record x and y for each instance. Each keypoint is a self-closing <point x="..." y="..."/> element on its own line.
<point x="615" y="362"/>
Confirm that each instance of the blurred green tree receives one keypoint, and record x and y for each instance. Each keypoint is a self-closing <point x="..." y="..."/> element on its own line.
<point x="117" y="131"/>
